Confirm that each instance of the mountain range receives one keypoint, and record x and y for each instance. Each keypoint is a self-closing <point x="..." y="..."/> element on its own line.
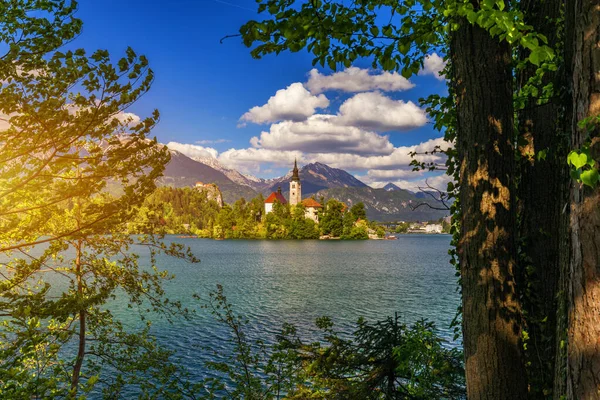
<point x="390" y="203"/>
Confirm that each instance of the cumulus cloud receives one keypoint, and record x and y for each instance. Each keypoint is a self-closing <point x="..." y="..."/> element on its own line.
<point x="127" y="118"/>
<point x="375" y="111"/>
<point x="250" y="159"/>
<point x="193" y="151"/>
<point x="355" y="80"/>
<point x="320" y="134"/>
<point x="433" y="65"/>
<point x="293" y="103"/>
<point x="376" y="176"/>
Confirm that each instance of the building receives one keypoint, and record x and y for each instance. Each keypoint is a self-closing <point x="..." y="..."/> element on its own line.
<point x="433" y="228"/>
<point x="274" y="197"/>
<point x="295" y="187"/>
<point x="311" y="209"/>
<point x="311" y="206"/>
<point x="212" y="192"/>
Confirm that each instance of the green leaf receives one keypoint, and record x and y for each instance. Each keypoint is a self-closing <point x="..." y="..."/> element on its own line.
<point x="590" y="177"/>
<point x="541" y="155"/>
<point x="577" y="160"/>
<point x="534" y="58"/>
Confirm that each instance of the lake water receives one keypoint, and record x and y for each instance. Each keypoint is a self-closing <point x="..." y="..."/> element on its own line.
<point x="272" y="282"/>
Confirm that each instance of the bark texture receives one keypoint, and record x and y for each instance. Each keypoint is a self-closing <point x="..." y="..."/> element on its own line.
<point x="543" y="195"/>
<point x="487" y="249"/>
<point x="583" y="369"/>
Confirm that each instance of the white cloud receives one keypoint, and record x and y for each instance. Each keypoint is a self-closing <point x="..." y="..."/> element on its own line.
<point x="438" y="181"/>
<point x="127" y="118"/>
<point x="320" y="134"/>
<point x="378" y="175"/>
<point x="251" y="159"/>
<point x="355" y="80"/>
<point x="193" y="151"/>
<point x="216" y="141"/>
<point x="433" y="65"/>
<point x="294" y="103"/>
<point x="375" y="111"/>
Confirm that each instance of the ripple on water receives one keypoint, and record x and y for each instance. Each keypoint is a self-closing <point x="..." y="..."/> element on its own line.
<point x="272" y="282"/>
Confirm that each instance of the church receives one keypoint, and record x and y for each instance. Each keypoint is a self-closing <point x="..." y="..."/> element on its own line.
<point x="311" y="206"/>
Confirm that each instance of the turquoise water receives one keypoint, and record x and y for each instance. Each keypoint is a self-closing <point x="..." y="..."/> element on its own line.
<point x="272" y="282"/>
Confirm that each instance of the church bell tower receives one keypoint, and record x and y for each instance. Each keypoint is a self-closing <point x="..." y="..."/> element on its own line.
<point x="295" y="187"/>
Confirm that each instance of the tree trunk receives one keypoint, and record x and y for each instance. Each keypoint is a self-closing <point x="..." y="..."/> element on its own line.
<point x="82" y="322"/>
<point x="483" y="80"/>
<point x="583" y="369"/>
<point x="543" y="194"/>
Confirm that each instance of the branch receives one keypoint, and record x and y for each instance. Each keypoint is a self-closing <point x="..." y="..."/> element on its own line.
<point x="442" y="197"/>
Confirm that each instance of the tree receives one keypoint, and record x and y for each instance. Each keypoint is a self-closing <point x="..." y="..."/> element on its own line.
<point x="583" y="277"/>
<point x="478" y="115"/>
<point x="331" y="220"/>
<point x="488" y="248"/>
<point x="382" y="360"/>
<point x="402" y="227"/>
<point x="66" y="143"/>
<point x="276" y="221"/>
<point x="226" y="221"/>
<point x="302" y="227"/>
<point x="358" y="211"/>
<point x="542" y="150"/>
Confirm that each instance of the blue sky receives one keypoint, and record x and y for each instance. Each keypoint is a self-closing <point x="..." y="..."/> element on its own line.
<point x="203" y="87"/>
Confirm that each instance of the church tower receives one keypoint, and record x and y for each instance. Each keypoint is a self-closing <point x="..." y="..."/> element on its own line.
<point x="295" y="187"/>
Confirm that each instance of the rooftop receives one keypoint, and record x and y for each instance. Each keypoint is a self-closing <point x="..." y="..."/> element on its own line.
<point x="276" y="196"/>
<point x="310" y="202"/>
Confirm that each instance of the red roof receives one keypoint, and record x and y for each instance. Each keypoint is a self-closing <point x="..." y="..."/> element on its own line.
<point x="276" y="196"/>
<point x="310" y="202"/>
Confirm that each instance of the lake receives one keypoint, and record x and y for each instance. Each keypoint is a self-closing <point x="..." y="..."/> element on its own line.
<point x="272" y="282"/>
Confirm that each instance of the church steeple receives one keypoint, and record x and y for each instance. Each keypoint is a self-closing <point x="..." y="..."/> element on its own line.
<point x="295" y="186"/>
<point x="295" y="176"/>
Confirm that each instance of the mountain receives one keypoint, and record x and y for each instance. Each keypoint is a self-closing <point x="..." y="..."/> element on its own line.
<point x="232" y="174"/>
<point x="384" y="206"/>
<point x="183" y="171"/>
<point x="390" y="203"/>
<point x="390" y="187"/>
<point x="314" y="177"/>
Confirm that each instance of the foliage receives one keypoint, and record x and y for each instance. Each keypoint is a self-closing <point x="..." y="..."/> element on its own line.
<point x="356" y="233"/>
<point x="170" y="210"/>
<point x="358" y="211"/>
<point x="397" y="36"/>
<point x="331" y="222"/>
<point x="65" y="256"/>
<point x="402" y="227"/>
<point x="185" y="210"/>
<point x="383" y="360"/>
<point x="584" y="161"/>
